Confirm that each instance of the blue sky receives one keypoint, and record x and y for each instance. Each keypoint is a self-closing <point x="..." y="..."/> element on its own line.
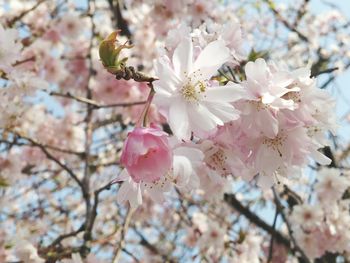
<point x="341" y="87"/>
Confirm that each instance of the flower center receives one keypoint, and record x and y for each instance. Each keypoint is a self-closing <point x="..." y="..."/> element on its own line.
<point x="312" y="130"/>
<point x="275" y="143"/>
<point x="159" y="183"/>
<point x="217" y="161"/>
<point x="191" y="91"/>
<point x="258" y="105"/>
<point x="293" y="95"/>
<point x="307" y="215"/>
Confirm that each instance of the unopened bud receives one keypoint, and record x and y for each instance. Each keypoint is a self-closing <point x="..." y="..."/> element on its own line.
<point x="109" y="51"/>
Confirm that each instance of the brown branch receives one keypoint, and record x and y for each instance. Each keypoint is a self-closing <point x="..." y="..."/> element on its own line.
<point x="332" y="78"/>
<point x="326" y="71"/>
<point x="231" y="200"/>
<point x="59" y="239"/>
<point x="328" y="152"/>
<point x="272" y="237"/>
<point x="94" y="104"/>
<point x="89" y="132"/>
<point x="114" y="119"/>
<point x="152" y="248"/>
<point x="24" y="13"/>
<point x="131" y="255"/>
<point x="124" y="231"/>
<point x="280" y="209"/>
<point x="284" y="21"/>
<point x="301" y="12"/>
<point x="93" y="215"/>
<point x="24" y="61"/>
<point x="54" y="148"/>
<point x="345" y="153"/>
<point x="120" y="22"/>
<point x="54" y="159"/>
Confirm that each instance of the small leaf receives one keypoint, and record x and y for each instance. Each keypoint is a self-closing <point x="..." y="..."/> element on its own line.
<point x="109" y="52"/>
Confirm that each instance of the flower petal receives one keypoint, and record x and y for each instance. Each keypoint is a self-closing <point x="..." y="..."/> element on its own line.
<point x="202" y="119"/>
<point x="210" y="60"/>
<point x="224" y="111"/>
<point x="228" y="93"/>
<point x="320" y="158"/>
<point x="178" y="119"/>
<point x="257" y="70"/>
<point x="168" y="79"/>
<point x="182" y="170"/>
<point x="267" y="123"/>
<point x="130" y="191"/>
<point x="182" y="58"/>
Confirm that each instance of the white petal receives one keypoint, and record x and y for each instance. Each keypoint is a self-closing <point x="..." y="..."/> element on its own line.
<point x="283" y="104"/>
<point x="213" y="55"/>
<point x="122" y="192"/>
<point x="156" y="195"/>
<point x="123" y="176"/>
<point x="267" y="160"/>
<point x="182" y="57"/>
<point x="267" y="98"/>
<point x="135" y="202"/>
<point x="162" y="99"/>
<point x="224" y="111"/>
<point x="182" y="170"/>
<point x="202" y="119"/>
<point x="267" y="123"/>
<point x="279" y="92"/>
<point x="228" y="93"/>
<point x="178" y="119"/>
<point x="130" y="191"/>
<point x="257" y="70"/>
<point x="320" y="158"/>
<point x="210" y="60"/>
<point x="191" y="153"/>
<point x="167" y="77"/>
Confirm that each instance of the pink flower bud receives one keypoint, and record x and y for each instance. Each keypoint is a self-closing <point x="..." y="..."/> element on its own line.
<point x="146" y="154"/>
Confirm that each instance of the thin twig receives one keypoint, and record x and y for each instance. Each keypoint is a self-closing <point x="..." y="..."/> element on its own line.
<point x="93" y="214"/>
<point x="272" y="237"/>
<point x="252" y="217"/>
<point x="94" y="104"/>
<point x="285" y="22"/>
<point x="123" y="233"/>
<point x="326" y="71"/>
<point x="24" y="13"/>
<point x="332" y="78"/>
<point x="279" y="207"/>
<point x="52" y="158"/>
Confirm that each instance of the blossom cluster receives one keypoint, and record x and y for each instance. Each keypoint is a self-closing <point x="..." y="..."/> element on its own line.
<point x="266" y="126"/>
<point x="323" y="227"/>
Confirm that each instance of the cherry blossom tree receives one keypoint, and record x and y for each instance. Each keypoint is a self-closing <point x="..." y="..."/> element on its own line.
<point x="173" y="131"/>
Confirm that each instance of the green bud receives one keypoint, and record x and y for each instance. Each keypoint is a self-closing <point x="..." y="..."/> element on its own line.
<point x="109" y="51"/>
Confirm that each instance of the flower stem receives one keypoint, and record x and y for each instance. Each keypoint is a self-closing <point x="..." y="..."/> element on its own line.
<point x="142" y="121"/>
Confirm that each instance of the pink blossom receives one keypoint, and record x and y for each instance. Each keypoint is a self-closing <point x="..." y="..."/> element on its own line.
<point x="71" y="26"/>
<point x="183" y="173"/>
<point x="310" y="216"/>
<point x="183" y="93"/>
<point x="331" y="185"/>
<point x="146" y="154"/>
<point x="264" y="98"/>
